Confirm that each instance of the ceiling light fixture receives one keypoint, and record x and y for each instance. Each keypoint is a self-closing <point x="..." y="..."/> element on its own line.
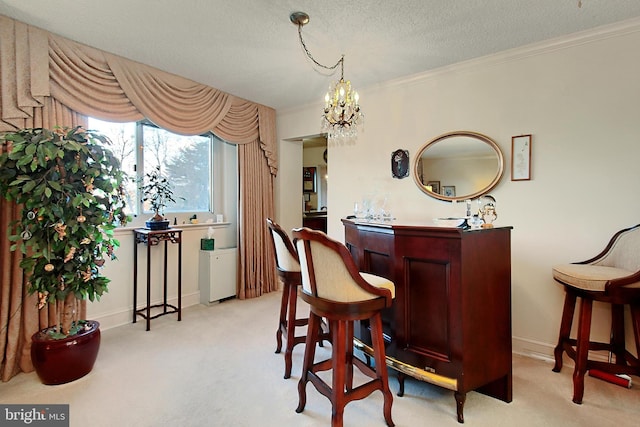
<point x="342" y="115"/>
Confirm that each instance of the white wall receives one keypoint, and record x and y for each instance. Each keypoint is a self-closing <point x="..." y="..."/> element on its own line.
<point x="580" y="99"/>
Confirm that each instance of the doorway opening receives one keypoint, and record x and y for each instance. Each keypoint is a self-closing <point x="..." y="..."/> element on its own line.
<point x="315" y="182"/>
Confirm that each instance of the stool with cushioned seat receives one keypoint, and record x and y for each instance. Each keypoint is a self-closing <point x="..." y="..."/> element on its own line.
<point x="288" y="269"/>
<point x="337" y="291"/>
<point x="611" y="277"/>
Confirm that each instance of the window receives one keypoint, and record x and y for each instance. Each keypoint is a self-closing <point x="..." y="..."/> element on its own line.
<point x="185" y="160"/>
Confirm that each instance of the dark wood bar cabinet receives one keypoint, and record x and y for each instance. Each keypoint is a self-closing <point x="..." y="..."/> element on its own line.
<point x="450" y="323"/>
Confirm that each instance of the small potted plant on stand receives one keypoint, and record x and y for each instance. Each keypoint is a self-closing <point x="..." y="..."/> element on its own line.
<point x="70" y="187"/>
<point x="157" y="190"/>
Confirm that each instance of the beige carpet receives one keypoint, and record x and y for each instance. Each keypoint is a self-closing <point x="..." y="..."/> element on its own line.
<point x="218" y="368"/>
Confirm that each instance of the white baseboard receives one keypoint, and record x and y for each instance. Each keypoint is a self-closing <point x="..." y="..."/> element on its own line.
<point x="544" y="351"/>
<point x="123" y="317"/>
<point x="531" y="348"/>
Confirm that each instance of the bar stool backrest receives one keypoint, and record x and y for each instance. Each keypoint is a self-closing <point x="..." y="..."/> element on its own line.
<point x="623" y="251"/>
<point x="328" y="271"/>
<point x="286" y="256"/>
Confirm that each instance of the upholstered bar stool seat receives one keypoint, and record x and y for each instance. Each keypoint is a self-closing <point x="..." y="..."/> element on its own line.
<point x="337" y="291"/>
<point x="612" y="277"/>
<point x="589" y="277"/>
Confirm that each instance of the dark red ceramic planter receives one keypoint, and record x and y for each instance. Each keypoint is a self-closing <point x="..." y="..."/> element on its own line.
<point x="65" y="360"/>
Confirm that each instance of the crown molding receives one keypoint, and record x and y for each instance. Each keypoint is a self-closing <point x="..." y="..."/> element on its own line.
<point x="539" y="48"/>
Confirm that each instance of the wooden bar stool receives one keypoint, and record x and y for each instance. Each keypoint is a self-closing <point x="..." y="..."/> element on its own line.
<point x="288" y="269"/>
<point x="611" y="277"/>
<point x="337" y="291"/>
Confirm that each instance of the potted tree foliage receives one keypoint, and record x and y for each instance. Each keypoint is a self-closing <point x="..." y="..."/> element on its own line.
<point x="157" y="190"/>
<point x="70" y="187"/>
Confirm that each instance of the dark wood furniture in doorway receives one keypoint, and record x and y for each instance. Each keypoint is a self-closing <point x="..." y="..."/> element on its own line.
<point x="315" y="221"/>
<point x="450" y="323"/>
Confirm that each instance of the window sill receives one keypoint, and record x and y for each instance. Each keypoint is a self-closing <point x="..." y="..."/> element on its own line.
<point x="129" y="229"/>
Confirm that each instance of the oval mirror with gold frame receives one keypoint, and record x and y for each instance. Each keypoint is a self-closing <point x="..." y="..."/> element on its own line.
<point x="458" y="165"/>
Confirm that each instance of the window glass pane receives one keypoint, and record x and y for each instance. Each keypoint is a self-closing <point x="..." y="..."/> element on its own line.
<point x="123" y="146"/>
<point x="184" y="161"/>
<point x="190" y="174"/>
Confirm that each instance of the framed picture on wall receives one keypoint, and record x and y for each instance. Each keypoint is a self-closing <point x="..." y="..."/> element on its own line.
<point x="400" y="164"/>
<point x="435" y="186"/>
<point x="449" y="190"/>
<point x="521" y="158"/>
<point x="309" y="180"/>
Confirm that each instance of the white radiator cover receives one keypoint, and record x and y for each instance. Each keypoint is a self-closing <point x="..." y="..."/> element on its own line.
<point x="217" y="274"/>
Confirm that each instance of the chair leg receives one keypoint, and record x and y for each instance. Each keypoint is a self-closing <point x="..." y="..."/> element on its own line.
<point x="349" y="356"/>
<point x="307" y="363"/>
<point x="635" y="320"/>
<point x="340" y="364"/>
<point x="582" y="349"/>
<point x="617" y="333"/>
<point x="381" y="365"/>
<point x="291" y="329"/>
<point x="565" y="328"/>
<point x="283" y="316"/>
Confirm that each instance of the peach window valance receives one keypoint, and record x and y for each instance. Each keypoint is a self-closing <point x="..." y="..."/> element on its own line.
<point x="36" y="64"/>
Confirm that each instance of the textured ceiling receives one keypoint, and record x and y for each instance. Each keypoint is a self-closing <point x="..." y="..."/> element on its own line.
<point x="249" y="48"/>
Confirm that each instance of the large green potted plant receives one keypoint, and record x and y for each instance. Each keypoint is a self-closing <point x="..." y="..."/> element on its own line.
<point x="70" y="187"/>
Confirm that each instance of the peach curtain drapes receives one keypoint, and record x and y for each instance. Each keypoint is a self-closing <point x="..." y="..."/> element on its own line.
<point x="47" y="80"/>
<point x="253" y="230"/>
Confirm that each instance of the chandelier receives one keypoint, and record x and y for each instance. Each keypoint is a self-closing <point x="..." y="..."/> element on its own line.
<point x="341" y="116"/>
